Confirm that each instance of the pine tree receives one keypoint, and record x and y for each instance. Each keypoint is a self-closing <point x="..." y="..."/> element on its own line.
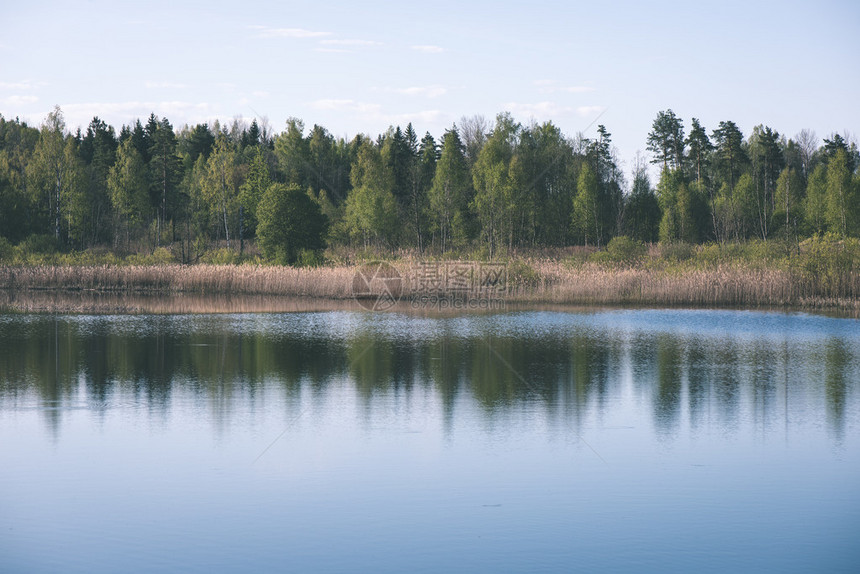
<point x="449" y="194"/>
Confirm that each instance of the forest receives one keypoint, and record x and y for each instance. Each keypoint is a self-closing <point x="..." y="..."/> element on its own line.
<point x="479" y="190"/>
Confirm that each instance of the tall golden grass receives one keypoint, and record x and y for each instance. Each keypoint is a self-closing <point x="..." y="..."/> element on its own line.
<point x="324" y="282"/>
<point x="534" y="281"/>
<point x="719" y="286"/>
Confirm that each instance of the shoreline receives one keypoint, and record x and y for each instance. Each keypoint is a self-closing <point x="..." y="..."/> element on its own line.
<point x="543" y="283"/>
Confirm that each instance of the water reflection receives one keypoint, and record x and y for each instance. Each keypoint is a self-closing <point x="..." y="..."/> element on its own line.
<point x="567" y="365"/>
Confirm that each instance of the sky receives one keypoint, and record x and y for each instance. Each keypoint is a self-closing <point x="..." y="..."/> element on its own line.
<point x="359" y="67"/>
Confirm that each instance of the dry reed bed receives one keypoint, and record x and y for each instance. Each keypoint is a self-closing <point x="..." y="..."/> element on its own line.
<point x="551" y="282"/>
<point x="721" y="286"/>
<point x="325" y="282"/>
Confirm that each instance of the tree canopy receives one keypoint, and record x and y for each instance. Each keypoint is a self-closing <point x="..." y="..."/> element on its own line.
<point x="492" y="188"/>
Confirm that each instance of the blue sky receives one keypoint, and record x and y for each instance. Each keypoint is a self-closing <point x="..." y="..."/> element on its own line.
<point x="362" y="66"/>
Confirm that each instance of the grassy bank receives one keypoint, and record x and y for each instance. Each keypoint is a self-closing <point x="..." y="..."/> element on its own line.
<point x="819" y="274"/>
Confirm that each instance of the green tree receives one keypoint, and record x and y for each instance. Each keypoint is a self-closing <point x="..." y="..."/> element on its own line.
<point x="730" y="158"/>
<point x="497" y="177"/>
<point x="835" y="144"/>
<point x="371" y="209"/>
<point x="586" y="212"/>
<point x="642" y="213"/>
<point x="841" y="203"/>
<point x="767" y="161"/>
<point x="397" y="156"/>
<point x="196" y="142"/>
<point x="730" y="154"/>
<point x="128" y="190"/>
<point x="291" y="150"/>
<point x="289" y="223"/>
<point x="164" y="167"/>
<point x="221" y="182"/>
<point x="449" y="194"/>
<point x="257" y="181"/>
<point x="422" y="168"/>
<point x="700" y="149"/>
<point x="609" y="200"/>
<point x="679" y="206"/>
<point x="666" y="140"/>
<point x="815" y="205"/>
<point x="98" y="152"/>
<point x="322" y="161"/>
<point x="55" y="174"/>
<point x="789" y="193"/>
<point x="744" y="205"/>
<point x="17" y="143"/>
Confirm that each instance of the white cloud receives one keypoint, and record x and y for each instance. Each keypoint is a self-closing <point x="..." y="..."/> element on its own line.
<point x="423" y="117"/>
<point x="539" y="110"/>
<point x="332" y="50"/>
<point x="299" y="33"/>
<point x="21" y="85"/>
<point x="165" y="85"/>
<point x="19" y="100"/>
<point x="346" y="42"/>
<point x="332" y="104"/>
<point x="261" y="94"/>
<point x="425" y="91"/>
<point x="428" y="49"/>
<point x="25" y="85"/>
<point x="576" y="89"/>
<point x="119" y="113"/>
<point x="585" y="111"/>
<point x="552" y="87"/>
<point x="373" y="113"/>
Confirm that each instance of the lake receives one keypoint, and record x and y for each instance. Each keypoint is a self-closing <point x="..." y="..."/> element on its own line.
<point x="340" y="441"/>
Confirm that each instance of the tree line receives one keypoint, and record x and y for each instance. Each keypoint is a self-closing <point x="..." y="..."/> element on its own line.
<point x="496" y="188"/>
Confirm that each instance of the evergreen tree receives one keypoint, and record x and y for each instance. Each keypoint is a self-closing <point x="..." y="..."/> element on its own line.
<point x="730" y="159"/>
<point x="642" y="213"/>
<point x="98" y="152"/>
<point x="666" y="140"/>
<point x="767" y="162"/>
<point x="292" y="152"/>
<point x="17" y="208"/>
<point x="449" y="194"/>
<point x="164" y="167"/>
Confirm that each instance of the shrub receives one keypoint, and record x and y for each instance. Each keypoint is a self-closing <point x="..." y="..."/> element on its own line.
<point x="521" y="273"/>
<point x="6" y="250"/>
<point x="161" y="256"/>
<point x="38" y="245"/>
<point x="622" y="250"/>
<point x="676" y="251"/>
<point x="222" y="256"/>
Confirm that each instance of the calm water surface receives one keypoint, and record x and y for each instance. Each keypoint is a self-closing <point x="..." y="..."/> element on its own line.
<point x="343" y="441"/>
